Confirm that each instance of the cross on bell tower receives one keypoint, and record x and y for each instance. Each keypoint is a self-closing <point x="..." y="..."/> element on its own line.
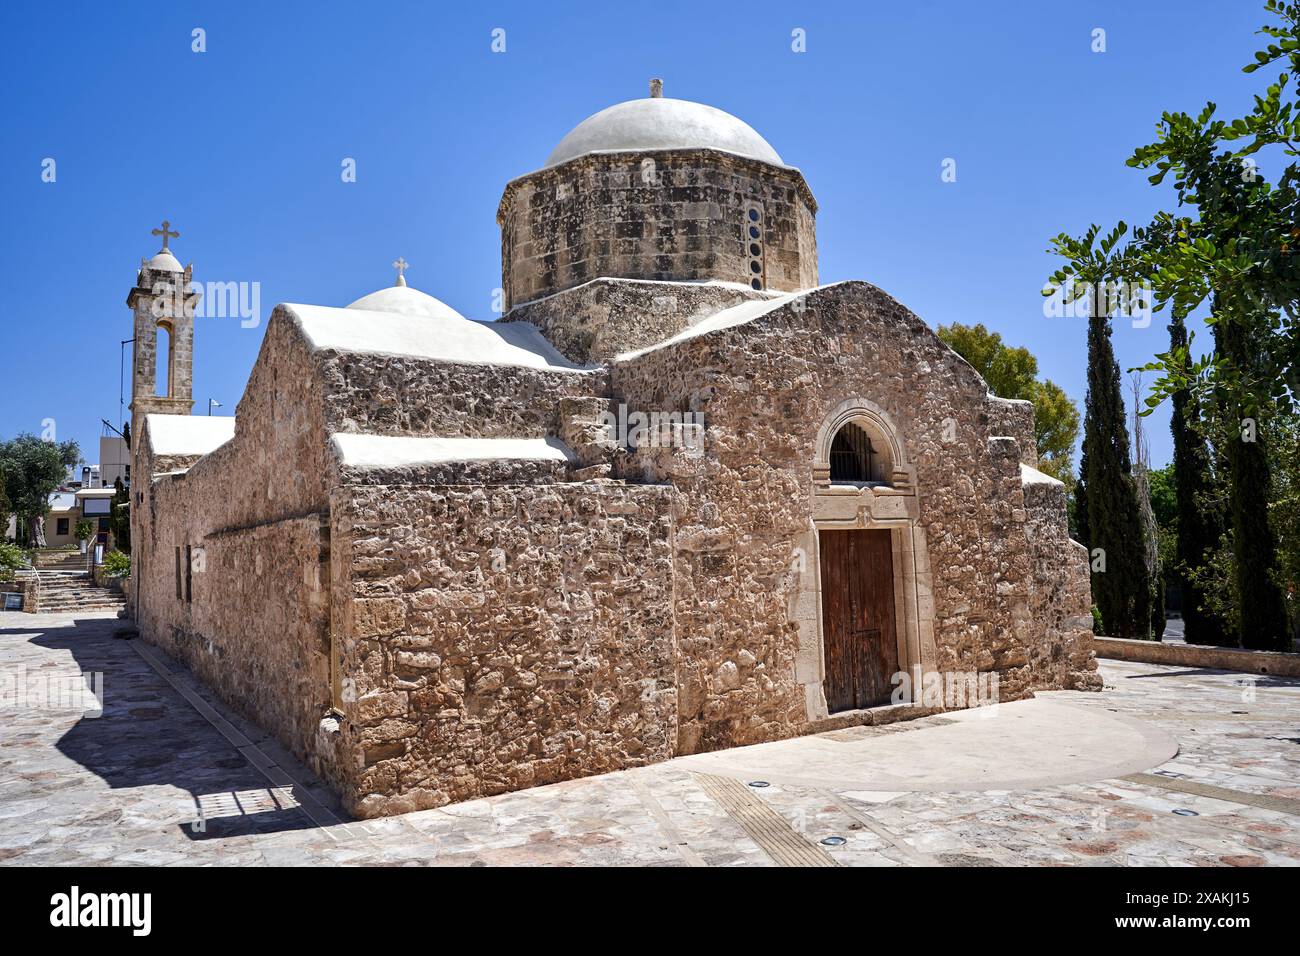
<point x="165" y="233"/>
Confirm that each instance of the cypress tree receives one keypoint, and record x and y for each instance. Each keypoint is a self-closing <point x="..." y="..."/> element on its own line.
<point x="1122" y="592"/>
<point x="1199" y="527"/>
<point x="1262" y="619"/>
<point x="120" y="520"/>
<point x="1081" y="502"/>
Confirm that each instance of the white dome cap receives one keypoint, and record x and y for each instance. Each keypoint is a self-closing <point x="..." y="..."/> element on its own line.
<point x="164" y="261"/>
<point x="404" y="300"/>
<point x="660" y="123"/>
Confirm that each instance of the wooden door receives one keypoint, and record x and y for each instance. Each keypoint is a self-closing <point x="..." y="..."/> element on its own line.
<point x="857" y="575"/>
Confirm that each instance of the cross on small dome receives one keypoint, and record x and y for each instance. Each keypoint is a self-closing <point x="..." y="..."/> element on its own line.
<point x="401" y="265"/>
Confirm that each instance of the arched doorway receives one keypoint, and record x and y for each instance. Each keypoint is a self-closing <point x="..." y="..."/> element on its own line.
<point x="864" y="606"/>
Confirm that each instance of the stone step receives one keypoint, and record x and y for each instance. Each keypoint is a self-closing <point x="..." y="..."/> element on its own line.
<point x="79" y="609"/>
<point x="81" y="605"/>
<point x="64" y="592"/>
<point x="63" y="601"/>
<point x="87" y="592"/>
<point x="70" y="562"/>
<point x="89" y="596"/>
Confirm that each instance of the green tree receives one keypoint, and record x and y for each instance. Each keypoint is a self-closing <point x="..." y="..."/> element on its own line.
<point x="1238" y="247"/>
<point x="12" y="559"/>
<point x="6" y="507"/>
<point x="1011" y="372"/>
<point x="1262" y="613"/>
<point x="1122" y="590"/>
<point x="1196" y="524"/>
<point x="1164" y="507"/>
<point x="1284" y="511"/>
<point x="120" y="519"/>
<point x="1056" y="428"/>
<point x="1232" y="248"/>
<point x="31" y="469"/>
<point x="1164" y="496"/>
<point x="1107" y="498"/>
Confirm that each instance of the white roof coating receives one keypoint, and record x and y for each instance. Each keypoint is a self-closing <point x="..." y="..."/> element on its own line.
<point x="662" y="123"/>
<point x="406" y="301"/>
<point x="164" y="261"/>
<point x="396" y="451"/>
<point x="440" y="337"/>
<point x="735" y="315"/>
<point x="1032" y="476"/>
<point x="188" y="434"/>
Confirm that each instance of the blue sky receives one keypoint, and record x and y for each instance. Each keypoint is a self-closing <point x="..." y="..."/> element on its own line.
<point x="240" y="148"/>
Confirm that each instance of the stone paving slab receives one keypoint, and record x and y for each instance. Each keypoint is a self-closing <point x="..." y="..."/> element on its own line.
<point x="1021" y="745"/>
<point x="151" y="780"/>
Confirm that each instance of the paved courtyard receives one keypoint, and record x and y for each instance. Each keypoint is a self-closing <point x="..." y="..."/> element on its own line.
<point x="1166" y="767"/>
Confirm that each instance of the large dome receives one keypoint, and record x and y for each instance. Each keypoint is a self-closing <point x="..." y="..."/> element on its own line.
<point x="661" y="123"/>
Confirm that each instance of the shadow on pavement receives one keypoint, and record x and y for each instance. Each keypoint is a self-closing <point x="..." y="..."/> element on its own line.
<point x="149" y="735"/>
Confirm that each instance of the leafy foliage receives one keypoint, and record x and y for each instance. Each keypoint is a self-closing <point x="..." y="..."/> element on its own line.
<point x="1199" y="527"/>
<point x="12" y="558"/>
<point x="120" y="519"/>
<point x="1011" y="372"/>
<point x="1231" y="246"/>
<point x="116" y="564"/>
<point x="30" y="470"/>
<point x="1284" y="507"/>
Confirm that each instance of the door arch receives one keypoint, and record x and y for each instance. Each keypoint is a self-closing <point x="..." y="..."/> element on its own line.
<point x="890" y="509"/>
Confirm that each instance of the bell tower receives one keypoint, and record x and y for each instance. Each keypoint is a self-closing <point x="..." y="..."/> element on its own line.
<point x="163" y="311"/>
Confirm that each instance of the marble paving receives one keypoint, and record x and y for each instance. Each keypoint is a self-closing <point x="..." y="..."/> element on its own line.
<point x="148" y="778"/>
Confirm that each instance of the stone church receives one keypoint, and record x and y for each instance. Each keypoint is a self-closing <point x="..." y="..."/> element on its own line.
<point x="678" y="497"/>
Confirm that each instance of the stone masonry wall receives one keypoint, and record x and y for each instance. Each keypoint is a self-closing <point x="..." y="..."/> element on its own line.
<point x="666" y="214"/>
<point x="401" y="395"/>
<point x="502" y="637"/>
<point x="1015" y="417"/>
<point x="764" y="388"/>
<point x="254" y="619"/>
<point x="258" y="622"/>
<point x="1060" y="591"/>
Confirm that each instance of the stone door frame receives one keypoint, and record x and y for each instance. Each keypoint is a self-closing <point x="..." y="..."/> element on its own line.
<point x="895" y="509"/>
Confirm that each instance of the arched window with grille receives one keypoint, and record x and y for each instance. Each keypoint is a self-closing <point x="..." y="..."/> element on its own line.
<point x="855" y="460"/>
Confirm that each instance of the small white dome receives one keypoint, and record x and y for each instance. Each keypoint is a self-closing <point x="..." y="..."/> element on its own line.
<point x="406" y="301"/>
<point x="164" y="261"/>
<point x="661" y="123"/>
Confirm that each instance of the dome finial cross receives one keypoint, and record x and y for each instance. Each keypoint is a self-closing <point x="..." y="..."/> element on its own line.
<point x="166" y="232"/>
<point x="656" y="88"/>
<point x="401" y="265"/>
